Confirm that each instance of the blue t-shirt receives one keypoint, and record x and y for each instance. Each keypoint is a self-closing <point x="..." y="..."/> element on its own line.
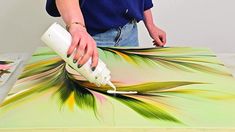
<point x="102" y="15"/>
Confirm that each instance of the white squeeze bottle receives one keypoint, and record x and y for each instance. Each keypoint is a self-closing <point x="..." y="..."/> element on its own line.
<point x="58" y="39"/>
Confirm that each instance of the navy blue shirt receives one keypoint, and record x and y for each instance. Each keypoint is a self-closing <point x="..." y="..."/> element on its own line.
<point x="102" y="15"/>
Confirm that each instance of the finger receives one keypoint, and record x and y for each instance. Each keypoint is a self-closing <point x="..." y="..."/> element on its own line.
<point x="94" y="60"/>
<point x="80" y="50"/>
<point x="87" y="55"/>
<point x="158" y="42"/>
<point x="72" y="46"/>
<point x="163" y="38"/>
<point x="157" y="45"/>
<point x="154" y="43"/>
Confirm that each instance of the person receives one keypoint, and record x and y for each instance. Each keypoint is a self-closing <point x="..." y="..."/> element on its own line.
<point x="93" y="23"/>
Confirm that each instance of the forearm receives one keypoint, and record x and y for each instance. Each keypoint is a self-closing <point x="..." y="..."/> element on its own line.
<point x="70" y="11"/>
<point x="148" y="19"/>
<point x="157" y="34"/>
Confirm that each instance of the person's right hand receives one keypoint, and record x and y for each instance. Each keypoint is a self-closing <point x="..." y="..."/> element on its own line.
<point x="83" y="45"/>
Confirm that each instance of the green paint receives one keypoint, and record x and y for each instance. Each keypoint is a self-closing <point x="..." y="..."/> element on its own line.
<point x="178" y="87"/>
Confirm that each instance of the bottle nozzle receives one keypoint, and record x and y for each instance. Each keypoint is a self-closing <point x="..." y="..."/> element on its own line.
<point x="111" y="85"/>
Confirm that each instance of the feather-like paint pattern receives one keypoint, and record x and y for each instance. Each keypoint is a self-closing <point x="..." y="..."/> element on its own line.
<point x="160" y="75"/>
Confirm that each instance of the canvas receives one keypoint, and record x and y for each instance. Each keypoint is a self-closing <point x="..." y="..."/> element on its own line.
<point x="177" y="87"/>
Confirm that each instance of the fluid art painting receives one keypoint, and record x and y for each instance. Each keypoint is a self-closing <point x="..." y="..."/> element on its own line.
<point x="7" y="67"/>
<point x="4" y="69"/>
<point x="177" y="87"/>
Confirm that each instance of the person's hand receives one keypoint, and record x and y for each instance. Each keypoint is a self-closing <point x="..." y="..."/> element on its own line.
<point x="158" y="36"/>
<point x="83" y="45"/>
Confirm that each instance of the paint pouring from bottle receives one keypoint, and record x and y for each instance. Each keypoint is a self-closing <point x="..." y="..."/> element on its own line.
<point x="121" y="92"/>
<point x="59" y="40"/>
<point x="114" y="91"/>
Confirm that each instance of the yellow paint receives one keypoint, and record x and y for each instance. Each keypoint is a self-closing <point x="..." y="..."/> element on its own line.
<point x="42" y="63"/>
<point x="126" y="57"/>
<point x="71" y="101"/>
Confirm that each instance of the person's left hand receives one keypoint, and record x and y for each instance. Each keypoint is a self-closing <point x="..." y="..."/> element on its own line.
<point x="158" y="36"/>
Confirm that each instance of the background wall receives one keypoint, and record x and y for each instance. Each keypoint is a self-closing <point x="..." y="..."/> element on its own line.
<point x="22" y="24"/>
<point x="198" y="23"/>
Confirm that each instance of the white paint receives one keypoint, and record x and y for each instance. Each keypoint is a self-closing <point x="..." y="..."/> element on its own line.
<point x="121" y="92"/>
<point x="198" y="23"/>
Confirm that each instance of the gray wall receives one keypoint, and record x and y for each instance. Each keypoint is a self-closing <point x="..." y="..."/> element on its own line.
<point x="198" y="23"/>
<point x="22" y="24"/>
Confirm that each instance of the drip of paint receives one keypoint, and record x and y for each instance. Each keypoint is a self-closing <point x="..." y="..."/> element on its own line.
<point x="121" y="92"/>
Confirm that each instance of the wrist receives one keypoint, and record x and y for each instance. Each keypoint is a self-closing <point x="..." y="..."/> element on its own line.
<point x="76" y="27"/>
<point x="75" y="23"/>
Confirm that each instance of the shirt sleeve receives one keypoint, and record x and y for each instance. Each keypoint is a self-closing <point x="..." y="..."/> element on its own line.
<point x="148" y="4"/>
<point x="52" y="9"/>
